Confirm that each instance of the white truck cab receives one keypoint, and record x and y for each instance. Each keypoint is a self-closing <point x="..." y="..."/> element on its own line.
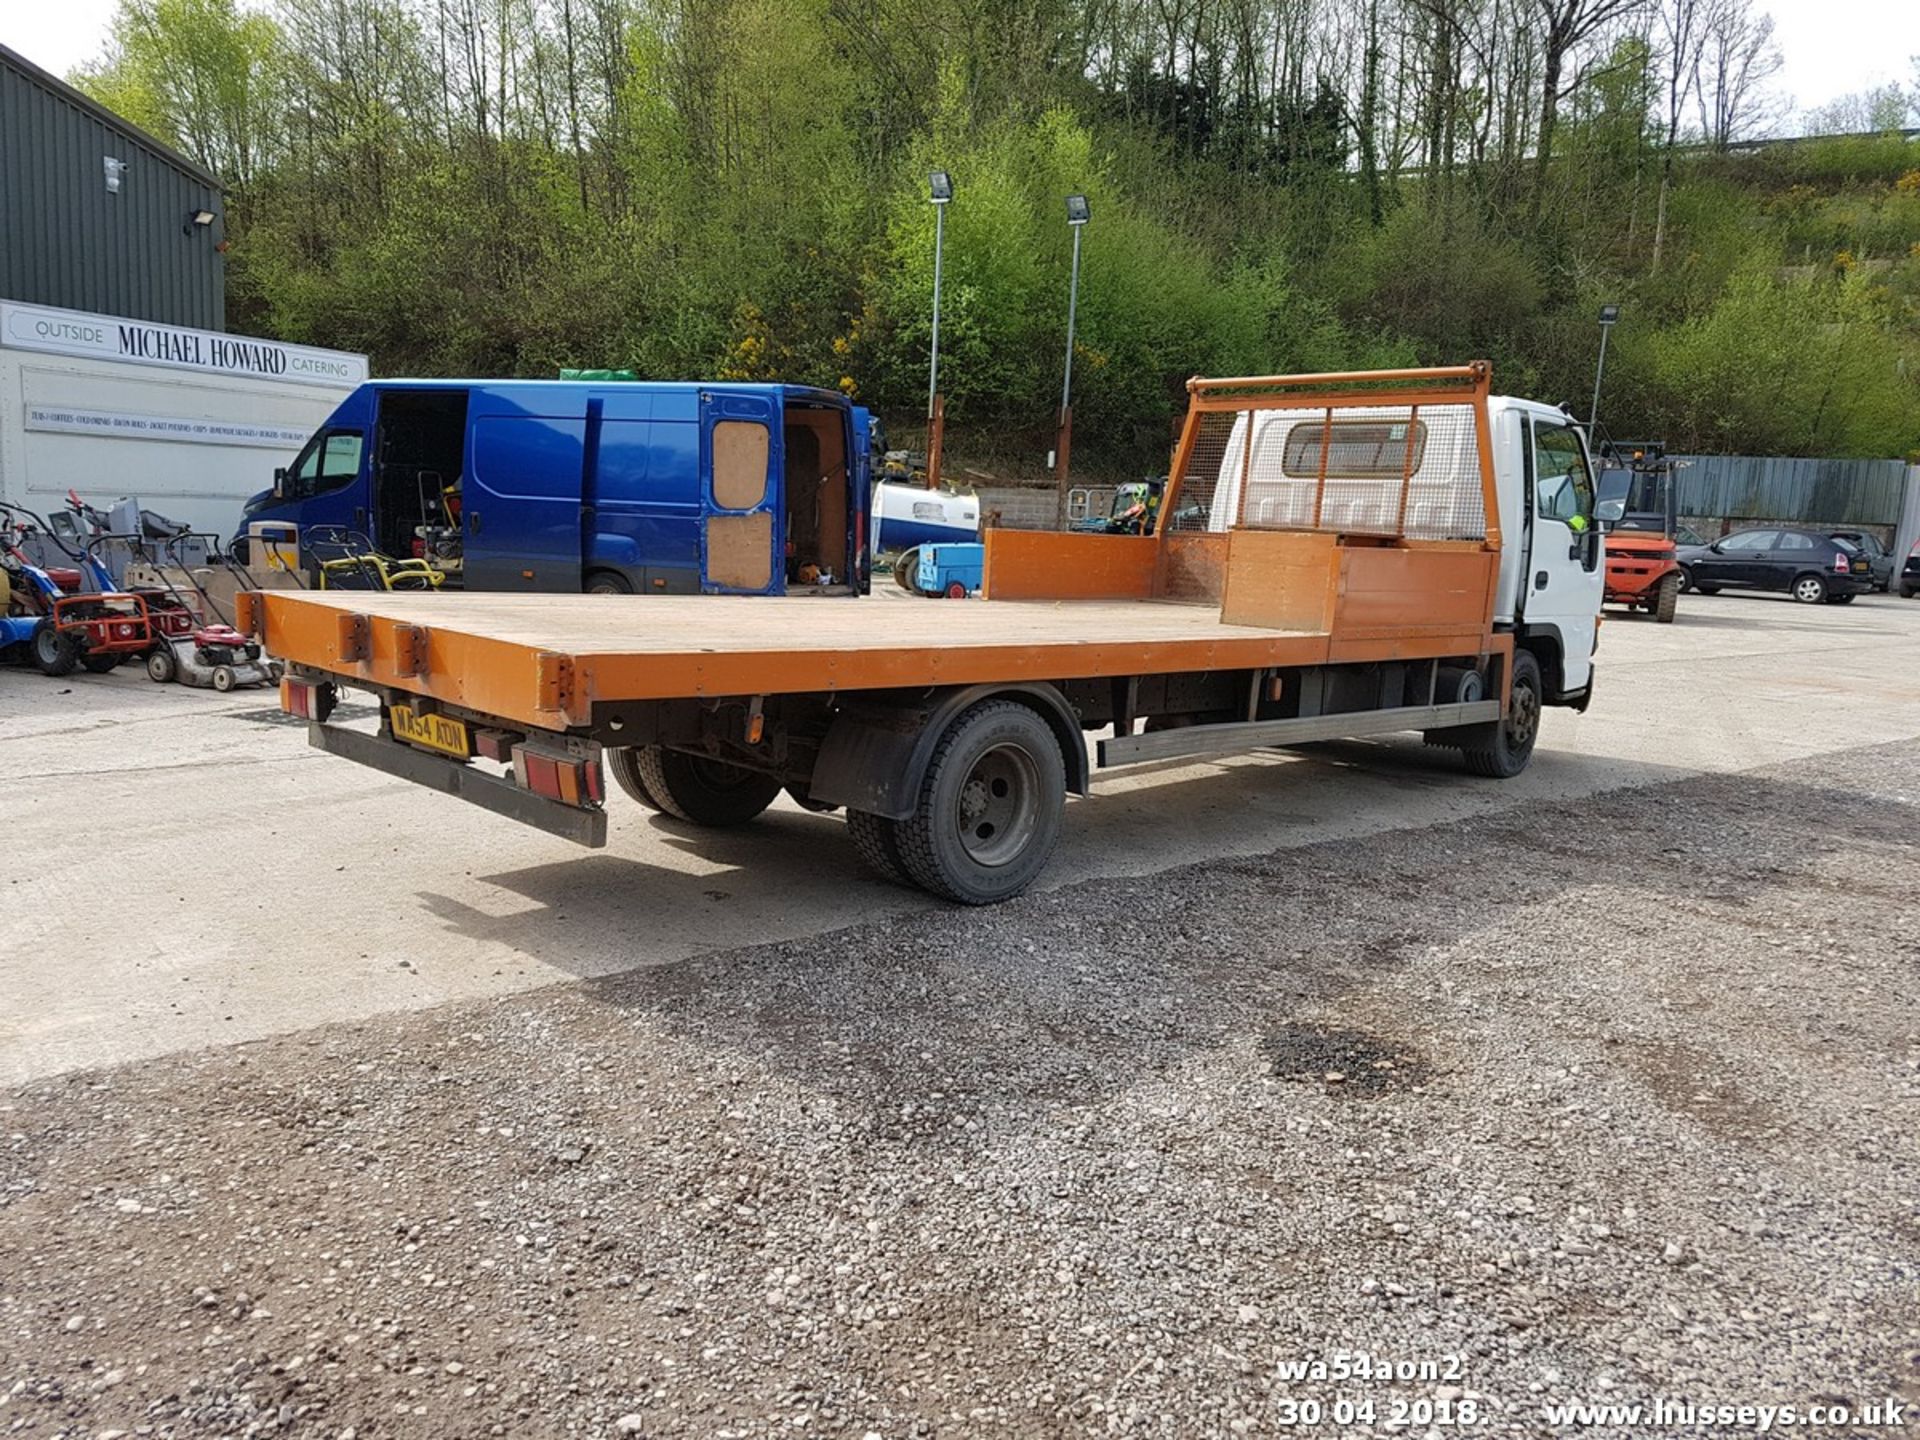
<point x="1552" y="566"/>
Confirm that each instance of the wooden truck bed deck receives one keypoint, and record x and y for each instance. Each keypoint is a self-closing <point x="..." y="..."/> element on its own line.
<point x="545" y="659"/>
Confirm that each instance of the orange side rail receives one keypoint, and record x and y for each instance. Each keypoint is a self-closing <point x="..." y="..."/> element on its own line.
<point x="1468" y="385"/>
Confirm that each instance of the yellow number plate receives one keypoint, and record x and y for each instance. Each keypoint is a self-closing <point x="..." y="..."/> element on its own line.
<point x="430" y="732"/>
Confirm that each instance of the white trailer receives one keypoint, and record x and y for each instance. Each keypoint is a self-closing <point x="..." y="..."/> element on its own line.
<point x="191" y="422"/>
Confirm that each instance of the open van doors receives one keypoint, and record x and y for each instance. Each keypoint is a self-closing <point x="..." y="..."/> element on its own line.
<point x="741" y="463"/>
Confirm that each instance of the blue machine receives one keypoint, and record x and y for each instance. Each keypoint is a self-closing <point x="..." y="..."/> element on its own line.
<point x="955" y="571"/>
<point x="565" y="485"/>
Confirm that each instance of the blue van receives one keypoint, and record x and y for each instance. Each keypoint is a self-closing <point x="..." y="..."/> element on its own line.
<point x="614" y="486"/>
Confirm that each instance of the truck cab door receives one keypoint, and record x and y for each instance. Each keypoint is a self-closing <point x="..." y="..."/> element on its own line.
<point x="742" y="539"/>
<point x="1566" y="574"/>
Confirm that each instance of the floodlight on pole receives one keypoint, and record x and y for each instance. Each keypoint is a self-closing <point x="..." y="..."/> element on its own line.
<point x="1609" y="317"/>
<point x="1078" y="214"/>
<point x="940" y="192"/>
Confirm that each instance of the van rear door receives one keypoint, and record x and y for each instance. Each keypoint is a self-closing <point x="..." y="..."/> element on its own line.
<point x="741" y="462"/>
<point x="522" y="499"/>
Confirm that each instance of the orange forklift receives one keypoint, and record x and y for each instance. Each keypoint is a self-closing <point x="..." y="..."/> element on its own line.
<point x="1642" y="571"/>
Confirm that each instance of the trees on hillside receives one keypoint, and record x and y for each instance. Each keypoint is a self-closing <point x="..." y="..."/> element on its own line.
<point x="736" y="187"/>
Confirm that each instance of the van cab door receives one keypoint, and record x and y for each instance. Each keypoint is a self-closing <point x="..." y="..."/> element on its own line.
<point x="742" y="547"/>
<point x="326" y="485"/>
<point x="1566" y="573"/>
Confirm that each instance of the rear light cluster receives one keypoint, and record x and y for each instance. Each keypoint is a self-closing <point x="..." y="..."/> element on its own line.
<point x="558" y="775"/>
<point x="307" y="699"/>
<point x="1841" y="565"/>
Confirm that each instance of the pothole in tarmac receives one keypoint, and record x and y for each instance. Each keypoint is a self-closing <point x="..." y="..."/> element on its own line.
<point x="1341" y="1060"/>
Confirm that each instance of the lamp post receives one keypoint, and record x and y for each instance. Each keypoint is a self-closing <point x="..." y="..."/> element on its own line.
<point x="1078" y="214"/>
<point x="1609" y="316"/>
<point x="940" y="189"/>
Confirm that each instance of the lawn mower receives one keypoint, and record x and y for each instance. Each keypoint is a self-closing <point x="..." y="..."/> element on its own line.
<point x="208" y="652"/>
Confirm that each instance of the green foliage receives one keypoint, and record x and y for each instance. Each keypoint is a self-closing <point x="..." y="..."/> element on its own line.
<point x="693" y="188"/>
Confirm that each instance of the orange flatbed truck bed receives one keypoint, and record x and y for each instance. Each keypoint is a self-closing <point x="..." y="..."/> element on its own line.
<point x="951" y="733"/>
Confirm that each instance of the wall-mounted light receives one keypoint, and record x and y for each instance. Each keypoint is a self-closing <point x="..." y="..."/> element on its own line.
<point x="197" y="220"/>
<point x="114" y="170"/>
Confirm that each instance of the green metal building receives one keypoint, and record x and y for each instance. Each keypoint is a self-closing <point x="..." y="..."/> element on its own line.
<point x="97" y="215"/>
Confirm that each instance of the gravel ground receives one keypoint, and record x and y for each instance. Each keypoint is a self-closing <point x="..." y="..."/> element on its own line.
<point x="1602" y="1100"/>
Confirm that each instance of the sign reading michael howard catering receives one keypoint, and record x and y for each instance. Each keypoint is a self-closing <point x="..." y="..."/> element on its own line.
<point x="141" y="342"/>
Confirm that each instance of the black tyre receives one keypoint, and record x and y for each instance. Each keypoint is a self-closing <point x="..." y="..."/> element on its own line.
<point x="874" y="837"/>
<point x="990" y="806"/>
<point x="1501" y="749"/>
<point x="623" y="763"/>
<point x="702" y="791"/>
<point x="53" y="650"/>
<point x="800" y="796"/>
<point x="1809" y="589"/>
<point x="1907" y="592"/>
<point x="607" y="582"/>
<point x="1707" y="589"/>
<point x="162" y="664"/>
<point x="1839" y="599"/>
<point x="1666" y="599"/>
<point x="906" y="570"/>
<point x="100" y="664"/>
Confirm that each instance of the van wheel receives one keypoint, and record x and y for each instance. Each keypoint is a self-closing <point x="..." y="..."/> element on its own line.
<point x="607" y="582"/>
<point x="1810" y="590"/>
<point x="1666" y="600"/>
<point x="990" y="806"/>
<point x="874" y="837"/>
<point x="1501" y="748"/>
<point x="624" y="763"/>
<point x="702" y="791"/>
<point x="53" y="650"/>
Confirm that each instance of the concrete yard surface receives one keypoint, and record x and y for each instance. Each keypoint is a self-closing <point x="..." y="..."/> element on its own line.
<point x="1597" y="1086"/>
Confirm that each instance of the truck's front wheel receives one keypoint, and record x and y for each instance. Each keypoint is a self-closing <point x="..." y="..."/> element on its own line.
<point x="1501" y="749"/>
<point x="990" y="806"/>
<point x="703" y="791"/>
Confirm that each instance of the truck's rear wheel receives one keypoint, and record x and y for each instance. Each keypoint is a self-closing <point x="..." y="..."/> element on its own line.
<point x="1501" y="748"/>
<point x="703" y="791"/>
<point x="873" y="836"/>
<point x="623" y="763"/>
<point x="1666" y="599"/>
<point x="990" y="806"/>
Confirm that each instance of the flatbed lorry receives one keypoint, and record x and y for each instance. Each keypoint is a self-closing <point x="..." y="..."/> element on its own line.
<point x="1346" y="555"/>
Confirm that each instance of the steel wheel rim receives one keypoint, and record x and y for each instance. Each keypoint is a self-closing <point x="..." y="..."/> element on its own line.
<point x="998" y="807"/>
<point x="719" y="775"/>
<point x="1523" y="717"/>
<point x="1808" y="589"/>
